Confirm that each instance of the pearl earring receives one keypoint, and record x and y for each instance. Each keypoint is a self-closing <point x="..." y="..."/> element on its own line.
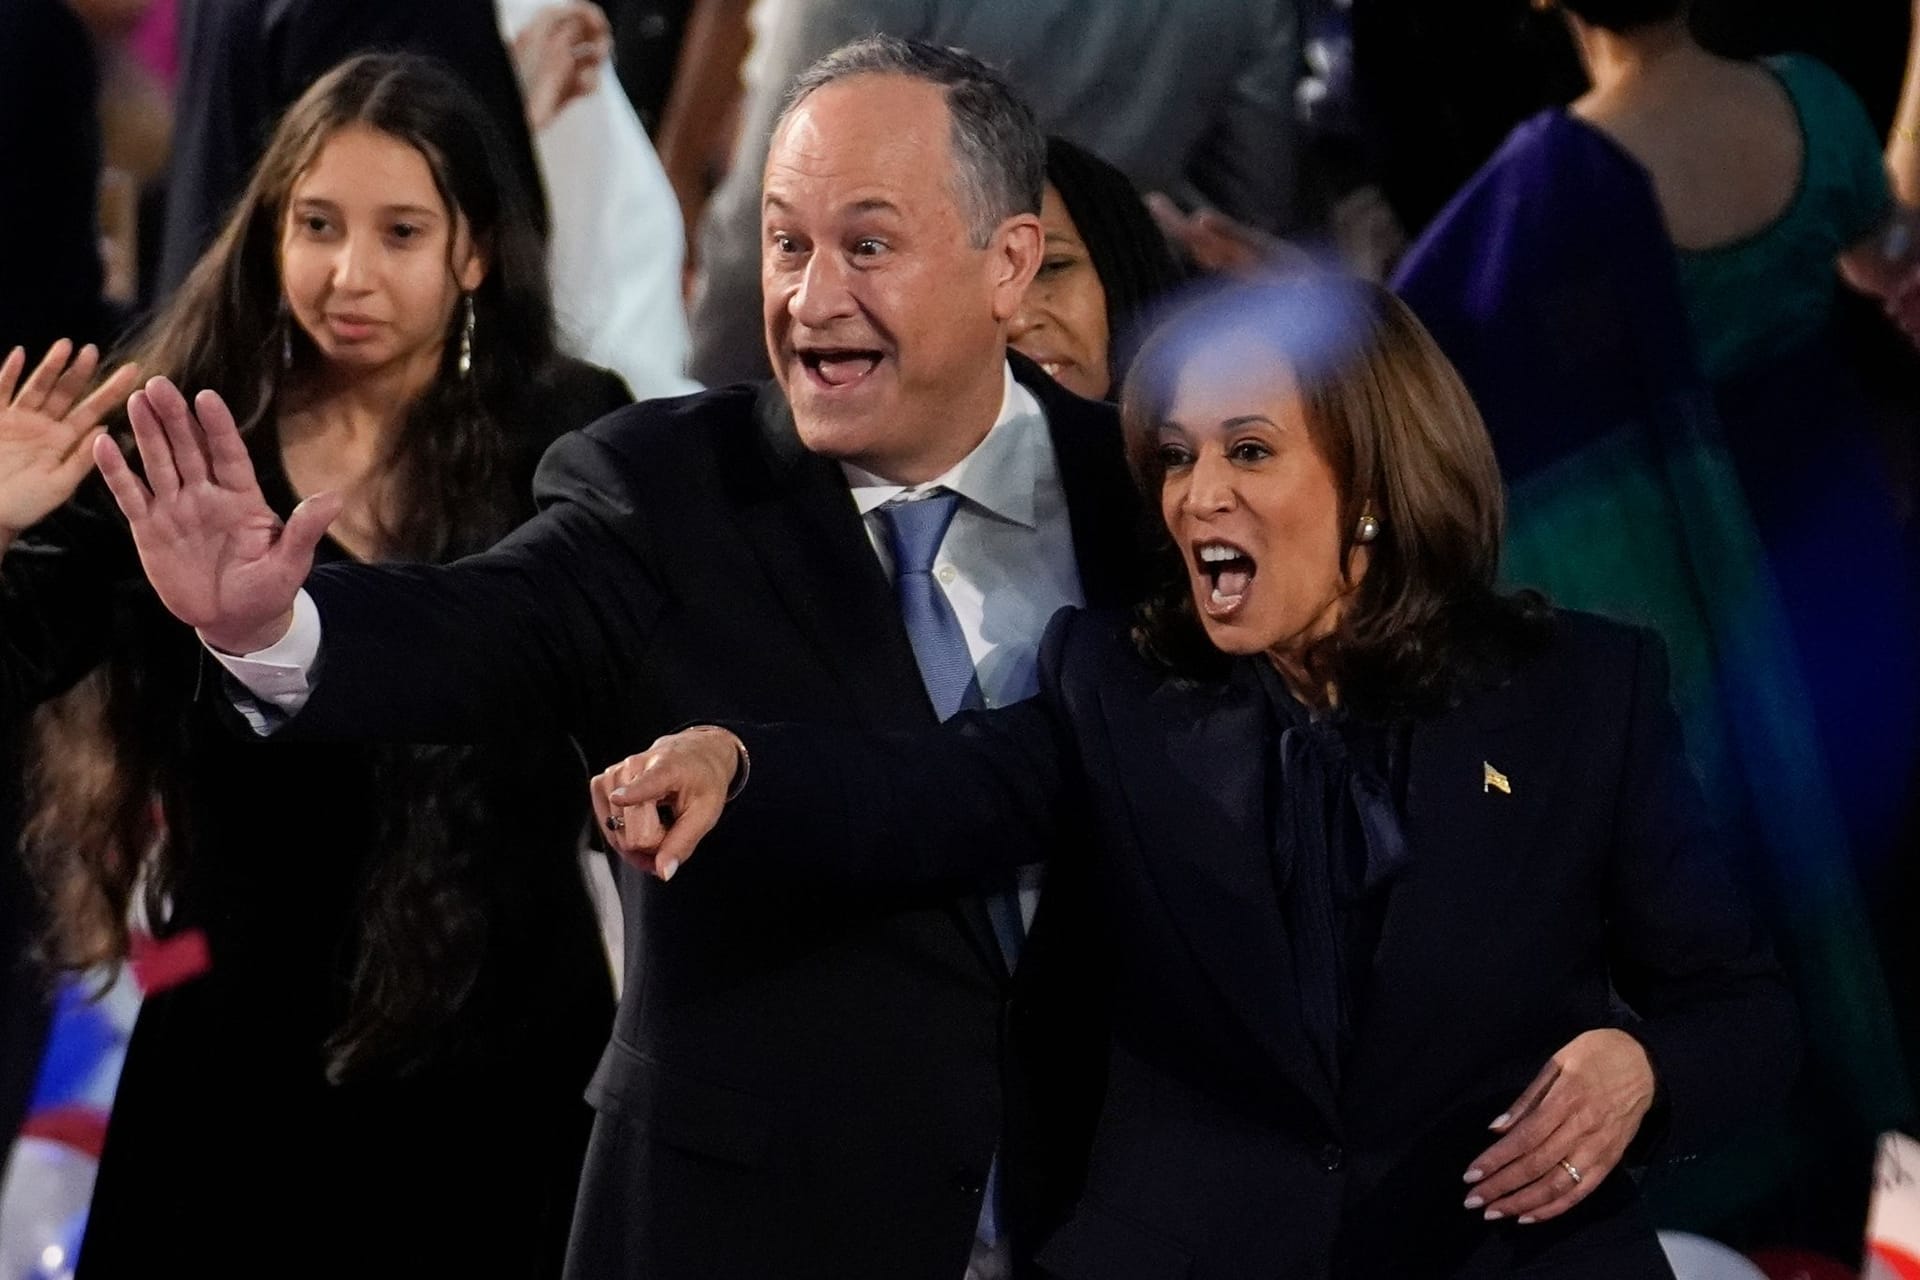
<point x="1369" y="529"/>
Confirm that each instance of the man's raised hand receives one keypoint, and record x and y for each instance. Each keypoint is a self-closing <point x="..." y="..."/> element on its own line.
<point x="216" y="554"/>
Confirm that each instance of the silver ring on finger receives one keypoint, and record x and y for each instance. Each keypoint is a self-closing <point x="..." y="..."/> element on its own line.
<point x="1572" y="1172"/>
<point x="616" y="823"/>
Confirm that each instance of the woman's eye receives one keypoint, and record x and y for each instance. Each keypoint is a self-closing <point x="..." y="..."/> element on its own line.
<point x="1172" y="455"/>
<point x="1250" y="451"/>
<point x="314" y="223"/>
<point x="1054" y="266"/>
<point x="405" y="231"/>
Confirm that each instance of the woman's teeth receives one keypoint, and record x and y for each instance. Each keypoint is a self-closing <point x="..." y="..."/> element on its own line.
<point x="1232" y="572"/>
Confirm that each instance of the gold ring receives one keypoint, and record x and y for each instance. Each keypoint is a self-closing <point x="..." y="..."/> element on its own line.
<point x="1571" y="1172"/>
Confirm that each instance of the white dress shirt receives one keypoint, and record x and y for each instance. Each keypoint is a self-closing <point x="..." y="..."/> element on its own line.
<point x="1007" y="562"/>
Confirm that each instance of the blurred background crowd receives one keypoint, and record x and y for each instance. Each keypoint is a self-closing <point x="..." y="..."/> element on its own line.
<point x="1673" y="253"/>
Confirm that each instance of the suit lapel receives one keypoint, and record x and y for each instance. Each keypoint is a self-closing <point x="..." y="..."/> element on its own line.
<point x="1205" y="834"/>
<point x="1467" y="839"/>
<point x="1103" y="505"/>
<point x="806" y="531"/>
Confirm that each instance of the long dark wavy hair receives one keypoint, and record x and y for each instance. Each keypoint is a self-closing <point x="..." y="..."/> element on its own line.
<point x="109" y="807"/>
<point x="1405" y="443"/>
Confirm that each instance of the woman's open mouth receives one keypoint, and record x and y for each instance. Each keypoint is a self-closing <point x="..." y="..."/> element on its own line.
<point x="1228" y="571"/>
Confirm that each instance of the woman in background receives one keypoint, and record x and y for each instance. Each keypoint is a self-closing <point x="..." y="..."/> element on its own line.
<point x="1106" y="264"/>
<point x="378" y="1009"/>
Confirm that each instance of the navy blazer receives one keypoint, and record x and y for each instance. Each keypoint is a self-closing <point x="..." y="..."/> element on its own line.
<point x="1222" y="1150"/>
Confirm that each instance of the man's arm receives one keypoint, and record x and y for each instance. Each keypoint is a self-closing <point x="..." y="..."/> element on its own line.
<point x="493" y="645"/>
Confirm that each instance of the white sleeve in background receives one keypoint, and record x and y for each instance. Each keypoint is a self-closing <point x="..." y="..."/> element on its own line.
<point x="277" y="679"/>
<point x="617" y="242"/>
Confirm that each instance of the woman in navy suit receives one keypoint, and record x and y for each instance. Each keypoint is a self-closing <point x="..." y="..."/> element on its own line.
<point x="1417" y="927"/>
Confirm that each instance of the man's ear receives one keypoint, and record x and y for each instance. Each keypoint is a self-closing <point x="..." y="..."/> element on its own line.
<point x="1014" y="259"/>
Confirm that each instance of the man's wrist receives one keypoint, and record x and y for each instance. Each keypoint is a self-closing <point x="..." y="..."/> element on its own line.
<point x="742" y="767"/>
<point x="742" y="762"/>
<point x="240" y="645"/>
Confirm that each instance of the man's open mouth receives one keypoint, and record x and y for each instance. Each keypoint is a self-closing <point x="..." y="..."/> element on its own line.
<point x="1229" y="570"/>
<point x="835" y="367"/>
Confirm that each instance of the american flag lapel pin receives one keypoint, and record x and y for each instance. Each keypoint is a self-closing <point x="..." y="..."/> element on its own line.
<point x="1491" y="779"/>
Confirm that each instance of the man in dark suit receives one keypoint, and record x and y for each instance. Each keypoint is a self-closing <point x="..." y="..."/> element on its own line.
<point x="799" y="1084"/>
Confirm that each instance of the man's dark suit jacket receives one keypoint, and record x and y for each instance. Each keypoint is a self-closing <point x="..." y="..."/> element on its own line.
<point x="1223" y="1150"/>
<point x="801" y="1083"/>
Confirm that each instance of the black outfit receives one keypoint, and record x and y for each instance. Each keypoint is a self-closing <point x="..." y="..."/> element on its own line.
<point x="800" y="1084"/>
<point x="1226" y="1147"/>
<point x="228" y="1152"/>
<point x="50" y="272"/>
<point x="244" y="62"/>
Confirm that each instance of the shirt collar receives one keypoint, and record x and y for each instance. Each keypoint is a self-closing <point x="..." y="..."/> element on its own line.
<point x="1000" y="475"/>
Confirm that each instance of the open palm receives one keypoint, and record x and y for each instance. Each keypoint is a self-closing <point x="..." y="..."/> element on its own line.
<point x="46" y="427"/>
<point x="217" y="555"/>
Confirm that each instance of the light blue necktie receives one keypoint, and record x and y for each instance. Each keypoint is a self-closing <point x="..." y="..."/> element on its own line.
<point x="915" y="529"/>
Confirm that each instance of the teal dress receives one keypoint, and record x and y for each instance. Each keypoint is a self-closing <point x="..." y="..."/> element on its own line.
<point x="1771" y="293"/>
<point x="1799" y="435"/>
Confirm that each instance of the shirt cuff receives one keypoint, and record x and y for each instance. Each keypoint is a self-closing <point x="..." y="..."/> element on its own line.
<point x="274" y="682"/>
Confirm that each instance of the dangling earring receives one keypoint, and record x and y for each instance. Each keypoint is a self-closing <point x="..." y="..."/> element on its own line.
<point x="466" y="341"/>
<point x="286" y="336"/>
<point x="1368" y="530"/>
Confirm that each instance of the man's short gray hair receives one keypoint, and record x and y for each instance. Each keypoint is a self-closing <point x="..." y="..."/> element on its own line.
<point x="1000" y="155"/>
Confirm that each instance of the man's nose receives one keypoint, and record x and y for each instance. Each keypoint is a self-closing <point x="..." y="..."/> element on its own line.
<point x="822" y="295"/>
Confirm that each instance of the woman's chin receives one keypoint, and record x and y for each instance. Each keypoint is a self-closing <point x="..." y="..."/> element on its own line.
<point x="1228" y="631"/>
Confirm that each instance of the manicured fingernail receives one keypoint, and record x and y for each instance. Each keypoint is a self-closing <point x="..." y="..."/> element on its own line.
<point x="667" y="869"/>
<point x="1525" y="1220"/>
<point x="618" y="793"/>
<point x="1493" y="1215"/>
<point x="1473" y="1202"/>
<point x="1500" y="1121"/>
<point x="1473" y="1175"/>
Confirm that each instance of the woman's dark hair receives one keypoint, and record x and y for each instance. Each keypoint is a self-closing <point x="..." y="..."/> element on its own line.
<point x="1130" y="255"/>
<point x="1405" y="444"/>
<point x="1625" y="15"/>
<point x="109" y="782"/>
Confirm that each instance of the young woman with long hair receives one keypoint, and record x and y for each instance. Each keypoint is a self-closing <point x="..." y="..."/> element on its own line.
<point x="387" y="996"/>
